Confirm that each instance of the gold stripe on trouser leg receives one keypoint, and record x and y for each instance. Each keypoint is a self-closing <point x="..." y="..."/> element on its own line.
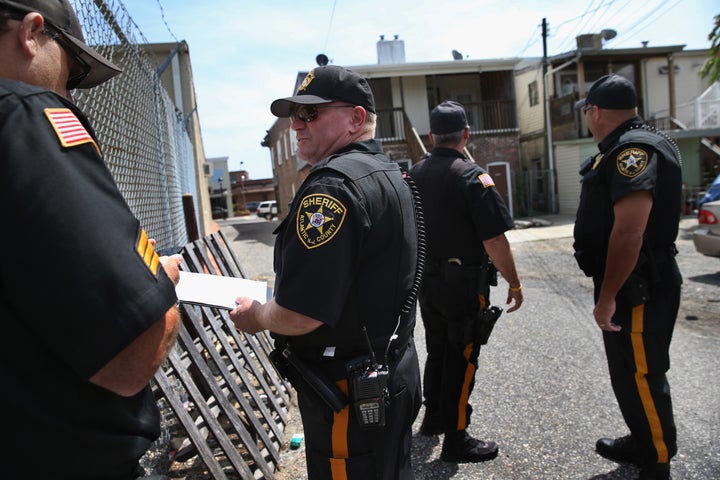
<point x="465" y="392"/>
<point x="469" y="374"/>
<point x="339" y="438"/>
<point x="641" y="369"/>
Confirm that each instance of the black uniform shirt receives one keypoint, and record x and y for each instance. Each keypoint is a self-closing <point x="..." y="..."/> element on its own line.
<point x="346" y="253"/>
<point x="460" y="204"/>
<point x="78" y="283"/>
<point x="632" y="158"/>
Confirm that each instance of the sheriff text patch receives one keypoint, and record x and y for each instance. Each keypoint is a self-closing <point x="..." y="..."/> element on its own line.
<point x="632" y="162"/>
<point x="319" y="219"/>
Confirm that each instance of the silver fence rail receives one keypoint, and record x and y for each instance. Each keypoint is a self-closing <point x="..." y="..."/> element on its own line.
<point x="142" y="135"/>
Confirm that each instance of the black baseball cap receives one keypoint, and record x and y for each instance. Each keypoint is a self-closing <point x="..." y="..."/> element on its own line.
<point x="60" y="15"/>
<point x="447" y="117"/>
<point x="329" y="83"/>
<point x="611" y="92"/>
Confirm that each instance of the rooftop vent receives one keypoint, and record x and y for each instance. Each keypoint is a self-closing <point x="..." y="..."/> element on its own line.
<point x="390" y="51"/>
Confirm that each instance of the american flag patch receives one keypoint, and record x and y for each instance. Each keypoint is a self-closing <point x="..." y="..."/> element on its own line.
<point x="486" y="180"/>
<point x="69" y="129"/>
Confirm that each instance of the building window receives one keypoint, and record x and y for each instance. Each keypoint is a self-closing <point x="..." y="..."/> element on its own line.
<point x="533" y="94"/>
<point x="293" y="142"/>
<point x="279" y="155"/>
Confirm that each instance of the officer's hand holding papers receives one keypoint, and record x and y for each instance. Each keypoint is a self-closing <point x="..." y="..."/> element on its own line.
<point x="218" y="291"/>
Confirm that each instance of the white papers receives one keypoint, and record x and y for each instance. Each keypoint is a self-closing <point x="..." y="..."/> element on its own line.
<point x="218" y="291"/>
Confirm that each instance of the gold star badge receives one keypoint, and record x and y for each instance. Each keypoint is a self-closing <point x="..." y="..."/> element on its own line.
<point x="632" y="162"/>
<point x="319" y="219"/>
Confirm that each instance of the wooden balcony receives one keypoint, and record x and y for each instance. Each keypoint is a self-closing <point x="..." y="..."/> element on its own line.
<point x="494" y="116"/>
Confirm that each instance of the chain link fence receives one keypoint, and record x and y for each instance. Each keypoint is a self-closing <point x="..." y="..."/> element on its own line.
<point x="532" y="193"/>
<point x="142" y="134"/>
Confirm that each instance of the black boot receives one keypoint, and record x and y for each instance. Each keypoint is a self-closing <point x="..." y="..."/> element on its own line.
<point x="459" y="447"/>
<point x="655" y="471"/>
<point x="621" y="450"/>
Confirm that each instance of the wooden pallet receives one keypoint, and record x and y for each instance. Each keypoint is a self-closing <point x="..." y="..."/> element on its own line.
<point x="239" y="402"/>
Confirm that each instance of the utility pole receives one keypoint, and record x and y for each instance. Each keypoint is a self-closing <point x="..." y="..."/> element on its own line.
<point x="544" y="76"/>
<point x="548" y="124"/>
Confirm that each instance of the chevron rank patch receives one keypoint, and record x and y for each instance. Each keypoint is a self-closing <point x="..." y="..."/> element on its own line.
<point x="632" y="162"/>
<point x="486" y="180"/>
<point x="69" y="129"/>
<point x="147" y="252"/>
<point x="319" y="219"/>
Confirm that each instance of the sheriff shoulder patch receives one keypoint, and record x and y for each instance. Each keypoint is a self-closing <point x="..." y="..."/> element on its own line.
<point x="319" y="219"/>
<point x="486" y="180"/>
<point x="632" y="162"/>
<point x="69" y="129"/>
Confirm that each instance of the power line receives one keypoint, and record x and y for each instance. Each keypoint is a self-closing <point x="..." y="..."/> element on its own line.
<point x="636" y="29"/>
<point x="332" y="16"/>
<point x="608" y="12"/>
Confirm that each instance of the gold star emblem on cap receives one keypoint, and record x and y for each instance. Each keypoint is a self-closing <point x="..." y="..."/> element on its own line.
<point x="306" y="81"/>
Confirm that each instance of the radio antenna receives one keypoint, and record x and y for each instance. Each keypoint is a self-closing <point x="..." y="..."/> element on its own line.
<point x="372" y="353"/>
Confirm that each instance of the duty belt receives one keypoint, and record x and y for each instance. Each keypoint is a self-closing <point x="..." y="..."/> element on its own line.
<point x="437" y="265"/>
<point x="315" y="354"/>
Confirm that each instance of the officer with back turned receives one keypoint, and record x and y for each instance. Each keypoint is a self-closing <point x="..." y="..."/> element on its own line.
<point x="625" y="230"/>
<point x="466" y="220"/>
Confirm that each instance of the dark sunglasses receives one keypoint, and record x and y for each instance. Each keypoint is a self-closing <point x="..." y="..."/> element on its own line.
<point x="76" y="76"/>
<point x="587" y="108"/>
<point x="308" y="113"/>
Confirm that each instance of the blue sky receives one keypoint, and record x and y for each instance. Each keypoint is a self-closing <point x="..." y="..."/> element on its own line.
<point x="247" y="53"/>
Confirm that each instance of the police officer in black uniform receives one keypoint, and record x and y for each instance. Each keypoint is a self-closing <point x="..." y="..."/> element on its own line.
<point x="625" y="230"/>
<point x="87" y="305"/>
<point x="466" y="220"/>
<point x="346" y="258"/>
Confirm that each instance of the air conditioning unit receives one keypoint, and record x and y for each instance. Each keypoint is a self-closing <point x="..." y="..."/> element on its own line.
<point x="207" y="169"/>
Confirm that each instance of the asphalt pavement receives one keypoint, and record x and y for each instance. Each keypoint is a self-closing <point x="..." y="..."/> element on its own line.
<point x="542" y="390"/>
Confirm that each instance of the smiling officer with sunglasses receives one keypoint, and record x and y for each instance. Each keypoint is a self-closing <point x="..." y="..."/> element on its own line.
<point x="87" y="305"/>
<point x="346" y="259"/>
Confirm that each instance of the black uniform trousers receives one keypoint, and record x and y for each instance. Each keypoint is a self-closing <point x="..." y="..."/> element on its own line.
<point x="638" y="359"/>
<point x="448" y="305"/>
<point x="338" y="449"/>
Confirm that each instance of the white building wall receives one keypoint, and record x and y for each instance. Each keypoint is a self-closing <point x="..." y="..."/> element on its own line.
<point x="414" y="91"/>
<point x="688" y="84"/>
<point x="568" y="157"/>
<point x="530" y="118"/>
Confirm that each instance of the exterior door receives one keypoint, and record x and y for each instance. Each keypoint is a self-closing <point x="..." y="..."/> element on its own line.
<point x="500" y="173"/>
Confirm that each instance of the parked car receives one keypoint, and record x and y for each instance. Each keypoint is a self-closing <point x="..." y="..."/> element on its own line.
<point x="219" y="212"/>
<point x="707" y="236"/>
<point x="252" y="206"/>
<point x="267" y="209"/>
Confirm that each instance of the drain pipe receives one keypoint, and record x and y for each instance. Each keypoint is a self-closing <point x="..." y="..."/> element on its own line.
<point x="548" y="123"/>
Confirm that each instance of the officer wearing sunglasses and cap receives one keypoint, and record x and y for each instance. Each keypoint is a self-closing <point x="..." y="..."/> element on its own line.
<point x="88" y="306"/>
<point x="625" y="230"/>
<point x="347" y="269"/>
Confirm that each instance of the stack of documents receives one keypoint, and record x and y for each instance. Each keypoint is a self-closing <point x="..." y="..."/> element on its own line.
<point x="218" y="291"/>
